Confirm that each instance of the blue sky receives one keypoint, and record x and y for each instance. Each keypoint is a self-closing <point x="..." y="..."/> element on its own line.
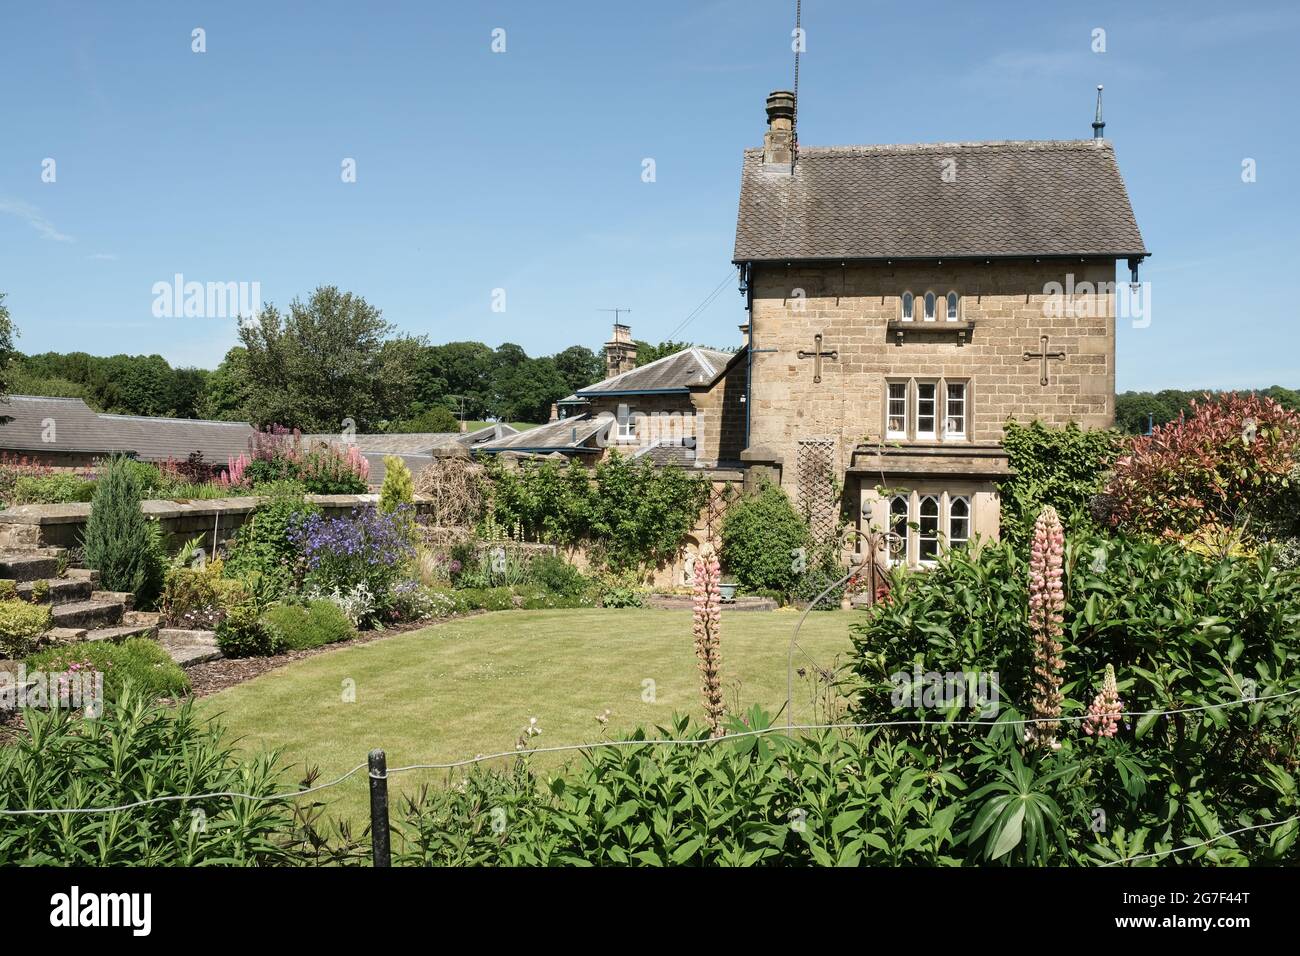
<point x="522" y="170"/>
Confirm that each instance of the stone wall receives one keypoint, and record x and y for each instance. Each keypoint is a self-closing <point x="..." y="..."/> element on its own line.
<point x="1005" y="303"/>
<point x="32" y="526"/>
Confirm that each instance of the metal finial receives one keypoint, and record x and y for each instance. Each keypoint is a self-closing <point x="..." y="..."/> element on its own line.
<point x="1098" y="124"/>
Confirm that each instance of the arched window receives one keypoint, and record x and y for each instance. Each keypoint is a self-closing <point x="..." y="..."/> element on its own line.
<point x="898" y="526"/>
<point x="907" y="307"/>
<point x="952" y="306"/>
<point x="958" y="522"/>
<point x="927" y="534"/>
<point x="929" y="306"/>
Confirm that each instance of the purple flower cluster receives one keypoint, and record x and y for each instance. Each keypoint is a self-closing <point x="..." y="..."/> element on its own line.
<point x="368" y="546"/>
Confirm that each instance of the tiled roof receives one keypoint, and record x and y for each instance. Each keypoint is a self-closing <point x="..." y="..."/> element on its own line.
<point x="76" y="428"/>
<point x="681" y="371"/>
<point x="1004" y="199"/>
<point x="417" y="443"/>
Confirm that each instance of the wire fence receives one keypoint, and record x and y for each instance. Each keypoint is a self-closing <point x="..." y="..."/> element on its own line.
<point x="379" y="772"/>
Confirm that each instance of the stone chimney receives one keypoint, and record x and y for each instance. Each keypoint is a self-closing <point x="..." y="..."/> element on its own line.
<point x="555" y="412"/>
<point x="620" y="352"/>
<point x="778" y="142"/>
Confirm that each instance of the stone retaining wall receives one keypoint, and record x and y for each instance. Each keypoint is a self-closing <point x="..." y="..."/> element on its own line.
<point x="216" y="519"/>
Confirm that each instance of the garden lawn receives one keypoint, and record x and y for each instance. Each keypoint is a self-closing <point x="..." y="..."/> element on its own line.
<point x="470" y="686"/>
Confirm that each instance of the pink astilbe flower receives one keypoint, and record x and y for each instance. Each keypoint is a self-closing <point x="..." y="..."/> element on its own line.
<point x="1046" y="625"/>
<point x="708" y="631"/>
<point x="1105" y="709"/>
<point x="233" y="476"/>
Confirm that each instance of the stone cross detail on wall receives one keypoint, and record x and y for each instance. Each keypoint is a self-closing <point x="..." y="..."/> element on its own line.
<point x="1043" y="355"/>
<point x="816" y="355"/>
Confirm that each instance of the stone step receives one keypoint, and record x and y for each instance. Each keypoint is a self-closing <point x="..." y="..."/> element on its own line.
<point x="187" y="647"/>
<point x="122" y="633"/>
<point x="28" y="567"/>
<point x="63" y="635"/>
<point x="87" y="614"/>
<point x="83" y="574"/>
<point x="124" y="598"/>
<point x="62" y="590"/>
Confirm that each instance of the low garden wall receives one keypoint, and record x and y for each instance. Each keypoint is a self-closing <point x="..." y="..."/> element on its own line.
<point x="216" y="519"/>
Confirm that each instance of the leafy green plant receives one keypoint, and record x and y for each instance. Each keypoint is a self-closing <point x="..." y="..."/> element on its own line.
<point x="263" y="546"/>
<point x="140" y="662"/>
<point x="1062" y="467"/>
<point x="243" y="632"/>
<point x="762" y="538"/>
<point x="57" y="488"/>
<point x="21" y="624"/>
<point x="119" y="541"/>
<point x="316" y="624"/>
<point x="135" y="750"/>
<point x="559" y="577"/>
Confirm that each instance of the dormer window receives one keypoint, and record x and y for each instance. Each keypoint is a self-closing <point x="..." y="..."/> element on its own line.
<point x="929" y="306"/>
<point x="907" y="307"/>
<point x="952" y="306"/>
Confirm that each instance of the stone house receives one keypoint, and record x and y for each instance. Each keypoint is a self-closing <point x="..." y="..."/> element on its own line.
<point x="905" y="301"/>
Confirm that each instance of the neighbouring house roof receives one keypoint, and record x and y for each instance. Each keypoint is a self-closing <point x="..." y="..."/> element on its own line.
<point x="77" y="429"/>
<point x="676" y="373"/>
<point x="1034" y="198"/>
<point x="575" y="435"/>
<point x="379" y="468"/>
<point x="416" y="443"/>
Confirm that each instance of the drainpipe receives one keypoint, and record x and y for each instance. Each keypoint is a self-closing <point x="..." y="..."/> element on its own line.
<point x="747" y="289"/>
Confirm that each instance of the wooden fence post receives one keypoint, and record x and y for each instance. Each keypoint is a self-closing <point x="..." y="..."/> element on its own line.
<point x="379" y="847"/>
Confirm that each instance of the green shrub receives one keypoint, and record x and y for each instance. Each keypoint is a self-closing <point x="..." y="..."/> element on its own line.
<point x="617" y="590"/>
<point x="317" y="624"/>
<point x="20" y="625"/>
<point x="1062" y="467"/>
<point x="138" y="661"/>
<point x="1183" y="632"/>
<point x="119" y="541"/>
<point x="244" y="633"/>
<point x="58" y="488"/>
<point x="8" y="589"/>
<point x="263" y="546"/>
<point x="136" y="750"/>
<point x="762" y="539"/>
<point x="194" y="597"/>
<point x="559" y="577"/>
<point x="398" y="487"/>
<point x="40" y="591"/>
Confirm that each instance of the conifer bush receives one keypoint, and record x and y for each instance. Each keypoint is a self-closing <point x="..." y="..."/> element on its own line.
<point x="398" y="488"/>
<point x="119" y="541"/>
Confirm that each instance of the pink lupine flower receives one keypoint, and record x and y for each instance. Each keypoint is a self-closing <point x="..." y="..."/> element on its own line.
<point x="1046" y="625"/>
<point x="708" y="630"/>
<point x="1105" y="710"/>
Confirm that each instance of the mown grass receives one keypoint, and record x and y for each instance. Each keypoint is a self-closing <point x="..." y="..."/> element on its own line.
<point x="468" y="687"/>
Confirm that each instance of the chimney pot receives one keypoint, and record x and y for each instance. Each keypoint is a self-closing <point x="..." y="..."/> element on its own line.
<point x="778" y="140"/>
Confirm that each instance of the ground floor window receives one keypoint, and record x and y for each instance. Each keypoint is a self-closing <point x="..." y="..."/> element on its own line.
<point x="924" y="524"/>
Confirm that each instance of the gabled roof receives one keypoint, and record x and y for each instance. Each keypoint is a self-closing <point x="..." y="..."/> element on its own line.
<point x="76" y="428"/>
<point x="679" y="372"/>
<point x="1035" y="198"/>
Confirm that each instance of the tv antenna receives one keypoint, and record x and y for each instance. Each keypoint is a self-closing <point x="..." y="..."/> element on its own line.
<point x="617" y="313"/>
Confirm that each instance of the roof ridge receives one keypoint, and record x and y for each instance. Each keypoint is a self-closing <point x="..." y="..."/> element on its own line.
<point x="1008" y="145"/>
<point x="168" y="418"/>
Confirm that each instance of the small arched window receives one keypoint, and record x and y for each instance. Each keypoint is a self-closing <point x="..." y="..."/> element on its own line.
<point x="958" y="522"/>
<point x="952" y="306"/>
<point x="929" y="306"/>
<point x="898" y="506"/>
<point x="927" y="530"/>
<point x="907" y="307"/>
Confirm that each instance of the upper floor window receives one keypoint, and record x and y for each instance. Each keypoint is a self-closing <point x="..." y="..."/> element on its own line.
<point x="626" y="424"/>
<point x="929" y="306"/>
<point x="954" y="422"/>
<point x="952" y="306"/>
<point x="896" y="424"/>
<point x="934" y="410"/>
<point x="907" y="307"/>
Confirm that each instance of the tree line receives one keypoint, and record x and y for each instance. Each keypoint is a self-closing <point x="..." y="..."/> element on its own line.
<point x="316" y="365"/>
<point x="1136" y="412"/>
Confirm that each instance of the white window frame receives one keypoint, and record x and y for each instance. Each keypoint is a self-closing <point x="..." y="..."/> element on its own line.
<point x="952" y="305"/>
<point x="933" y="432"/>
<point x="921" y="537"/>
<point x="950" y="434"/>
<point x="931" y="306"/>
<point x="901" y="557"/>
<point x="907" y="408"/>
<point x="953" y="540"/>
<point x="908" y="306"/>
<point x="627" y="427"/>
